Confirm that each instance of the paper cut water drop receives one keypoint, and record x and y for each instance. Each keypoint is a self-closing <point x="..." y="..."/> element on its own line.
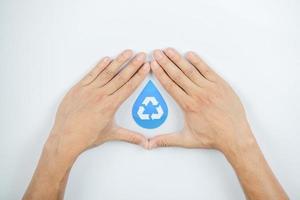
<point x="150" y="109"/>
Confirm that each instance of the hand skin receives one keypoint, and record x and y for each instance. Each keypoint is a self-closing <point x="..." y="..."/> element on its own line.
<point x="214" y="118"/>
<point x="85" y="119"/>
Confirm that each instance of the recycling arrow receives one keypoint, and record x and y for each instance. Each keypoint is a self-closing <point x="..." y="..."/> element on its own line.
<point x="150" y="99"/>
<point x="141" y="114"/>
<point x="159" y="113"/>
<point x="153" y="116"/>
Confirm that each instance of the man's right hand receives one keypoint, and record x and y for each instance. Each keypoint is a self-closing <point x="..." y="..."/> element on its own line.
<point x="214" y="118"/>
<point x="214" y="115"/>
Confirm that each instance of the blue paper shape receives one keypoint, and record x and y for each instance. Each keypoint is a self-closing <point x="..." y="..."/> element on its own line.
<point x="150" y="109"/>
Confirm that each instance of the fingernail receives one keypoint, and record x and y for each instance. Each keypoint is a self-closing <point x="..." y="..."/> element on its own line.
<point x="146" y="67"/>
<point x="140" y="57"/>
<point x="191" y="55"/>
<point x="170" y="51"/>
<point x="154" y="64"/>
<point x="158" y="54"/>
<point x="106" y="59"/>
<point x="127" y="53"/>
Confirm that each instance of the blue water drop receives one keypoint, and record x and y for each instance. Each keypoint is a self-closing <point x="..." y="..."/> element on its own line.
<point x="150" y="109"/>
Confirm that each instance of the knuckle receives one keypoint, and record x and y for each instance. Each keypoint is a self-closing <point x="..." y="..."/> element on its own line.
<point x="100" y="65"/>
<point x="162" y="143"/>
<point x="75" y="91"/>
<point x="130" y="86"/>
<point x="134" y="139"/>
<point x="190" y="71"/>
<point x="121" y="58"/>
<point x="121" y="78"/>
<point x="110" y="106"/>
<point x="191" y="106"/>
<point x="136" y="62"/>
<point x="206" y="71"/>
<point x="140" y="74"/>
<point x="169" y="85"/>
<point x="91" y="75"/>
<point x="177" y="77"/>
<point x="99" y="97"/>
<point x="184" y="106"/>
<point x="218" y="90"/>
<point x="195" y="59"/>
<point x="159" y="72"/>
<point x="164" y="61"/>
<point x="198" y="62"/>
<point x="176" y="57"/>
<point x="205" y="99"/>
<point x="109" y="72"/>
<point x="87" y="79"/>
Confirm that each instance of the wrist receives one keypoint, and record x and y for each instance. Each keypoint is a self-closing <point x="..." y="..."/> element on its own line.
<point x="55" y="160"/>
<point x="51" y="172"/>
<point x="241" y="149"/>
<point x="243" y="152"/>
<point x="241" y="142"/>
<point x="58" y="148"/>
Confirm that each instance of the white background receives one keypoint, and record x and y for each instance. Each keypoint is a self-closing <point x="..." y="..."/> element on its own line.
<point x="46" y="46"/>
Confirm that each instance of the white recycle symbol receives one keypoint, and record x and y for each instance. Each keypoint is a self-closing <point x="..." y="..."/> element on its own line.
<point x="141" y="110"/>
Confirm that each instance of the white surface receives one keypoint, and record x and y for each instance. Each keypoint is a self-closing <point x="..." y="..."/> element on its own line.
<point x="45" y="46"/>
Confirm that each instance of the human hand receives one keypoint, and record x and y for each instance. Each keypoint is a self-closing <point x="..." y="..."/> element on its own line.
<point x="214" y="115"/>
<point x="214" y="118"/>
<point x="85" y="116"/>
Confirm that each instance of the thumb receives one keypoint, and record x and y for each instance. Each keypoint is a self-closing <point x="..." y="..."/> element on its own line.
<point x="166" y="140"/>
<point x="126" y="135"/>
